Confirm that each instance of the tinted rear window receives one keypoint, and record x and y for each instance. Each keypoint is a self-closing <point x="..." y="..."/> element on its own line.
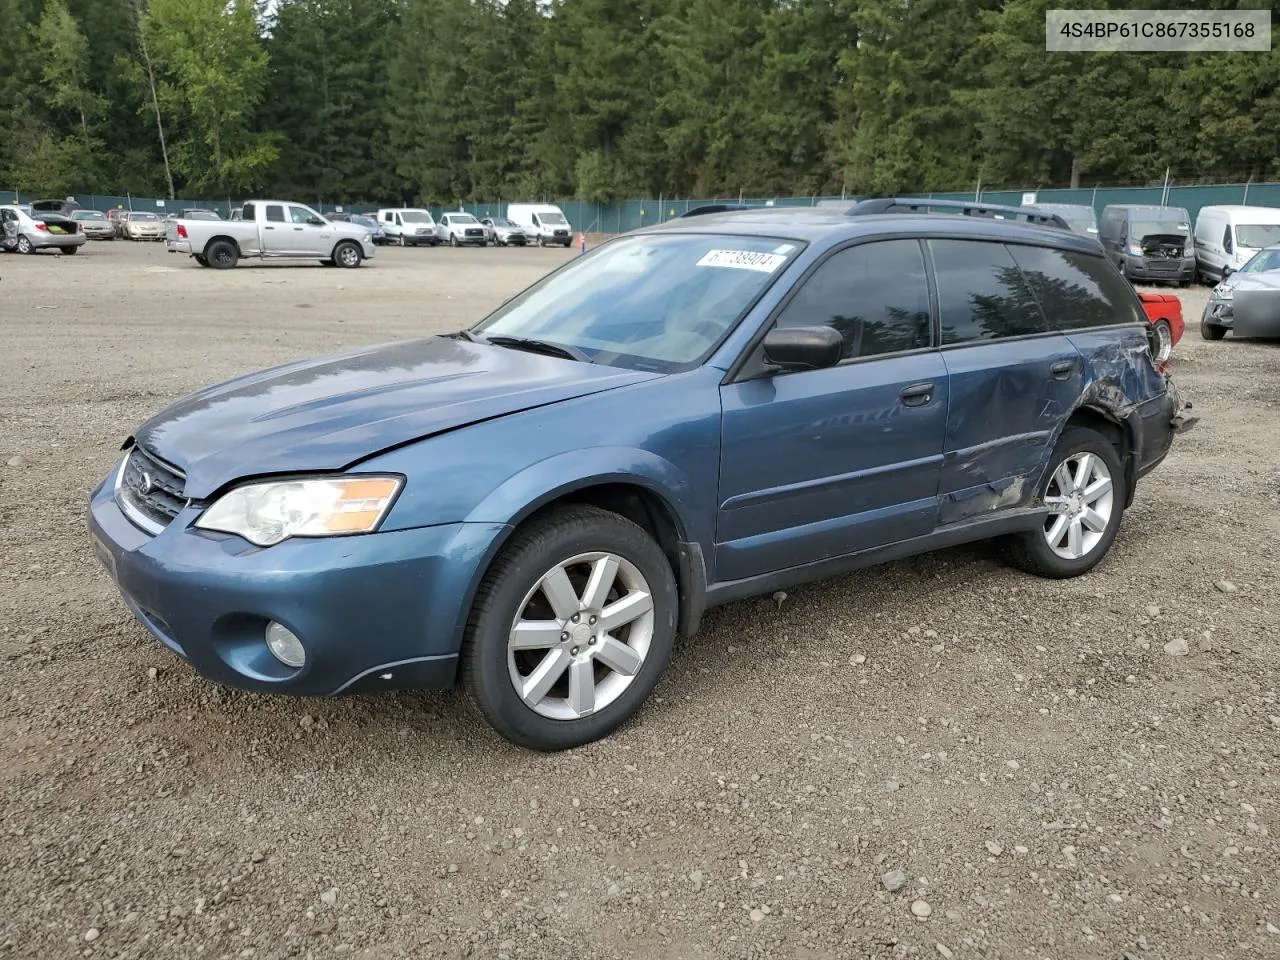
<point x="981" y="293"/>
<point x="1075" y="289"/>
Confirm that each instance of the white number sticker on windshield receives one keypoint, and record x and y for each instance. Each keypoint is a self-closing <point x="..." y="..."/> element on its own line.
<point x="742" y="260"/>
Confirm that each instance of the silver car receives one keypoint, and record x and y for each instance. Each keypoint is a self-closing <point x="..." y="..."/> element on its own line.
<point x="1260" y="279"/>
<point x="504" y="232"/>
<point x="28" y="233"/>
<point x="95" y="224"/>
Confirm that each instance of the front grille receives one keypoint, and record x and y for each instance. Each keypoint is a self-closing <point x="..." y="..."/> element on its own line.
<point x="1157" y="265"/>
<point x="149" y="490"/>
<point x="474" y="233"/>
<point x="562" y="233"/>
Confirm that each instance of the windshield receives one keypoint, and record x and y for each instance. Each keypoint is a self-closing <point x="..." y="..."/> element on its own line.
<point x="502" y="222"/>
<point x="140" y="217"/>
<point x="650" y="302"/>
<point x="461" y="218"/>
<point x="555" y="218"/>
<point x="415" y="216"/>
<point x="1147" y="228"/>
<point x="1257" y="234"/>
<point x="1262" y="261"/>
<point x="87" y="215"/>
<point x="364" y="221"/>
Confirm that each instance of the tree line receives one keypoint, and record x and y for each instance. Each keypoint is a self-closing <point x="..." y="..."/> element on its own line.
<point x="456" y="100"/>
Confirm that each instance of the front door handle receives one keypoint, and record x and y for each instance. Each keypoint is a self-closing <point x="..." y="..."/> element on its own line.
<point x="298" y="229"/>
<point x="1062" y="369"/>
<point x="916" y="395"/>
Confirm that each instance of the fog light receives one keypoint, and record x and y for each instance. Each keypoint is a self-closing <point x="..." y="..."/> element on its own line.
<point x="285" y="645"/>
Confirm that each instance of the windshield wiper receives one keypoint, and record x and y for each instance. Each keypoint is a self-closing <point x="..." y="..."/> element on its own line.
<point x="538" y="346"/>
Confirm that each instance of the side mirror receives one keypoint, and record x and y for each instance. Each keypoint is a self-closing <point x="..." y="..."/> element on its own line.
<point x="803" y="348"/>
<point x="316" y="221"/>
<point x="1227" y="271"/>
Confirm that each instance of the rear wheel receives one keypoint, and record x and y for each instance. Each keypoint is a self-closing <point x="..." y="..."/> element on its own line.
<point x="71" y="250"/>
<point x="222" y="254"/>
<point x="201" y="260"/>
<point x="571" y="629"/>
<point x="25" y="245"/>
<point x="1084" y="490"/>
<point x="347" y="254"/>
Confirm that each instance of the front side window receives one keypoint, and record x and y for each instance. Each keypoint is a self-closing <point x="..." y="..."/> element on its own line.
<point x="1263" y="261"/>
<point x="1074" y="290"/>
<point x="982" y="294"/>
<point x="302" y="214"/>
<point x="875" y="295"/>
<point x="651" y="302"/>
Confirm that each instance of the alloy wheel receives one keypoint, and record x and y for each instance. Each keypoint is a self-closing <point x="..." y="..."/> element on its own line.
<point x="1081" y="498"/>
<point x="581" y="636"/>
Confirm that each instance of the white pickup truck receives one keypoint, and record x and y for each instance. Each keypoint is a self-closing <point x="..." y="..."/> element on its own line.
<point x="270" y="230"/>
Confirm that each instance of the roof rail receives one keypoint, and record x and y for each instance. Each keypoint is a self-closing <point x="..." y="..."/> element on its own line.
<point x="707" y="208"/>
<point x="967" y="208"/>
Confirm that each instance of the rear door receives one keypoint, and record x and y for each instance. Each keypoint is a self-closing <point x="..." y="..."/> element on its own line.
<point x="276" y="231"/>
<point x="1013" y="376"/>
<point x="822" y="463"/>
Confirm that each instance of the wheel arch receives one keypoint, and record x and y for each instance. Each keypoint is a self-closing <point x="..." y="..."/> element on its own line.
<point x="1118" y="427"/>
<point x="204" y="252"/>
<point x="644" y="495"/>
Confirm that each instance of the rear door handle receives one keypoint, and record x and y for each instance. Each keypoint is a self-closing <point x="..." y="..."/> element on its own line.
<point x="916" y="395"/>
<point x="1062" y="369"/>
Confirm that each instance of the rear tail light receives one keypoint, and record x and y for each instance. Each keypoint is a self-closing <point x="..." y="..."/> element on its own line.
<point x="182" y="232"/>
<point x="42" y="226"/>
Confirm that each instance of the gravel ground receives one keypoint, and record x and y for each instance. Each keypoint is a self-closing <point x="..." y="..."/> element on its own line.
<point x="1020" y="759"/>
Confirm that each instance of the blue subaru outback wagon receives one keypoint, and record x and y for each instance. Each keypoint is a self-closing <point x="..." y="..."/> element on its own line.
<point x="691" y="414"/>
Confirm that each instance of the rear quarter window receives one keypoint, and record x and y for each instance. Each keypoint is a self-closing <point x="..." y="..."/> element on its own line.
<point x="1077" y="290"/>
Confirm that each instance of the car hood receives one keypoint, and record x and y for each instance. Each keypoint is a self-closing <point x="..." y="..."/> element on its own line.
<point x="329" y="413"/>
<point x="1265" y="280"/>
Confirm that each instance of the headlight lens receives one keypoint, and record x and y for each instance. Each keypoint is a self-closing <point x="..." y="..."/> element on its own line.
<point x="266" y="513"/>
<point x="1222" y="291"/>
<point x="1135" y="250"/>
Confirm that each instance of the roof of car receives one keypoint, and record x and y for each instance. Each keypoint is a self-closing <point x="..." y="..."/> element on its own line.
<point x="1140" y="206"/>
<point x="830" y="224"/>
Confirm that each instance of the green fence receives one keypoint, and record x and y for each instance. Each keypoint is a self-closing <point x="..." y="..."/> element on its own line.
<point x="623" y="215"/>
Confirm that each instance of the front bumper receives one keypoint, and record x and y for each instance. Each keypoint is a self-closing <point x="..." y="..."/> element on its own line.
<point x="145" y="234"/>
<point x="376" y="612"/>
<point x="100" y="233"/>
<point x="1142" y="268"/>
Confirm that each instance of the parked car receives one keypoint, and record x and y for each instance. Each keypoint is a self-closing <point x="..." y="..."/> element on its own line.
<point x="544" y="223"/>
<point x="460" y="229"/>
<point x="684" y="416"/>
<point x="95" y="224"/>
<point x="271" y="230"/>
<point x="198" y="213"/>
<point x="1149" y="243"/>
<point x="63" y="208"/>
<point x="503" y="232"/>
<point x="1228" y="237"/>
<point x="1080" y="217"/>
<point x="1164" y="314"/>
<point x="30" y="232"/>
<point x="371" y="224"/>
<point x="143" y="225"/>
<point x="409" y="226"/>
<point x="1219" y="312"/>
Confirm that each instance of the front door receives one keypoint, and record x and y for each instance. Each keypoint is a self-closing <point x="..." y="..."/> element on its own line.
<point x="312" y="234"/>
<point x="1014" y="376"/>
<point x="822" y="463"/>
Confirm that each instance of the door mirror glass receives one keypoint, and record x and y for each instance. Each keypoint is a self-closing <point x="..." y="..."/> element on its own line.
<point x="803" y="348"/>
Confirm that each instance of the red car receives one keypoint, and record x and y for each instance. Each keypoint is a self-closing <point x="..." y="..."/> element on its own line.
<point x="1164" y="313"/>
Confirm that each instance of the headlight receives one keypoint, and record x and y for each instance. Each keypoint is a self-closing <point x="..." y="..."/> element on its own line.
<point x="1135" y="249"/>
<point x="266" y="513"/>
<point x="1222" y="292"/>
<point x="366" y="239"/>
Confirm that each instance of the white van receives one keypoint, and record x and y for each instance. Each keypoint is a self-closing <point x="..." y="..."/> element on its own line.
<point x="408" y="226"/>
<point x="1227" y="237"/>
<point x="545" y="223"/>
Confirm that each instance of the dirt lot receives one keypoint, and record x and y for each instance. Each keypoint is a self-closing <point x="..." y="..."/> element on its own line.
<point x="1049" y="779"/>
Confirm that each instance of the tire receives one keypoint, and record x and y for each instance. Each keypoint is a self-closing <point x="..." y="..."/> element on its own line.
<point x="347" y="255"/>
<point x="453" y="240"/>
<point x="400" y="239"/>
<point x="1211" y="331"/>
<point x="25" y="245"/>
<point x="200" y="260"/>
<point x="1074" y="551"/>
<point x="71" y="251"/>
<point x="222" y="254"/>
<point x="576" y="542"/>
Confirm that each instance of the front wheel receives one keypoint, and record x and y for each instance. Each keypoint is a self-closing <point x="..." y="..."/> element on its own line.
<point x="1212" y="331"/>
<point x="1084" y="491"/>
<point x="571" y="629"/>
<point x="400" y="239"/>
<point x="453" y="241"/>
<point x="347" y="254"/>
